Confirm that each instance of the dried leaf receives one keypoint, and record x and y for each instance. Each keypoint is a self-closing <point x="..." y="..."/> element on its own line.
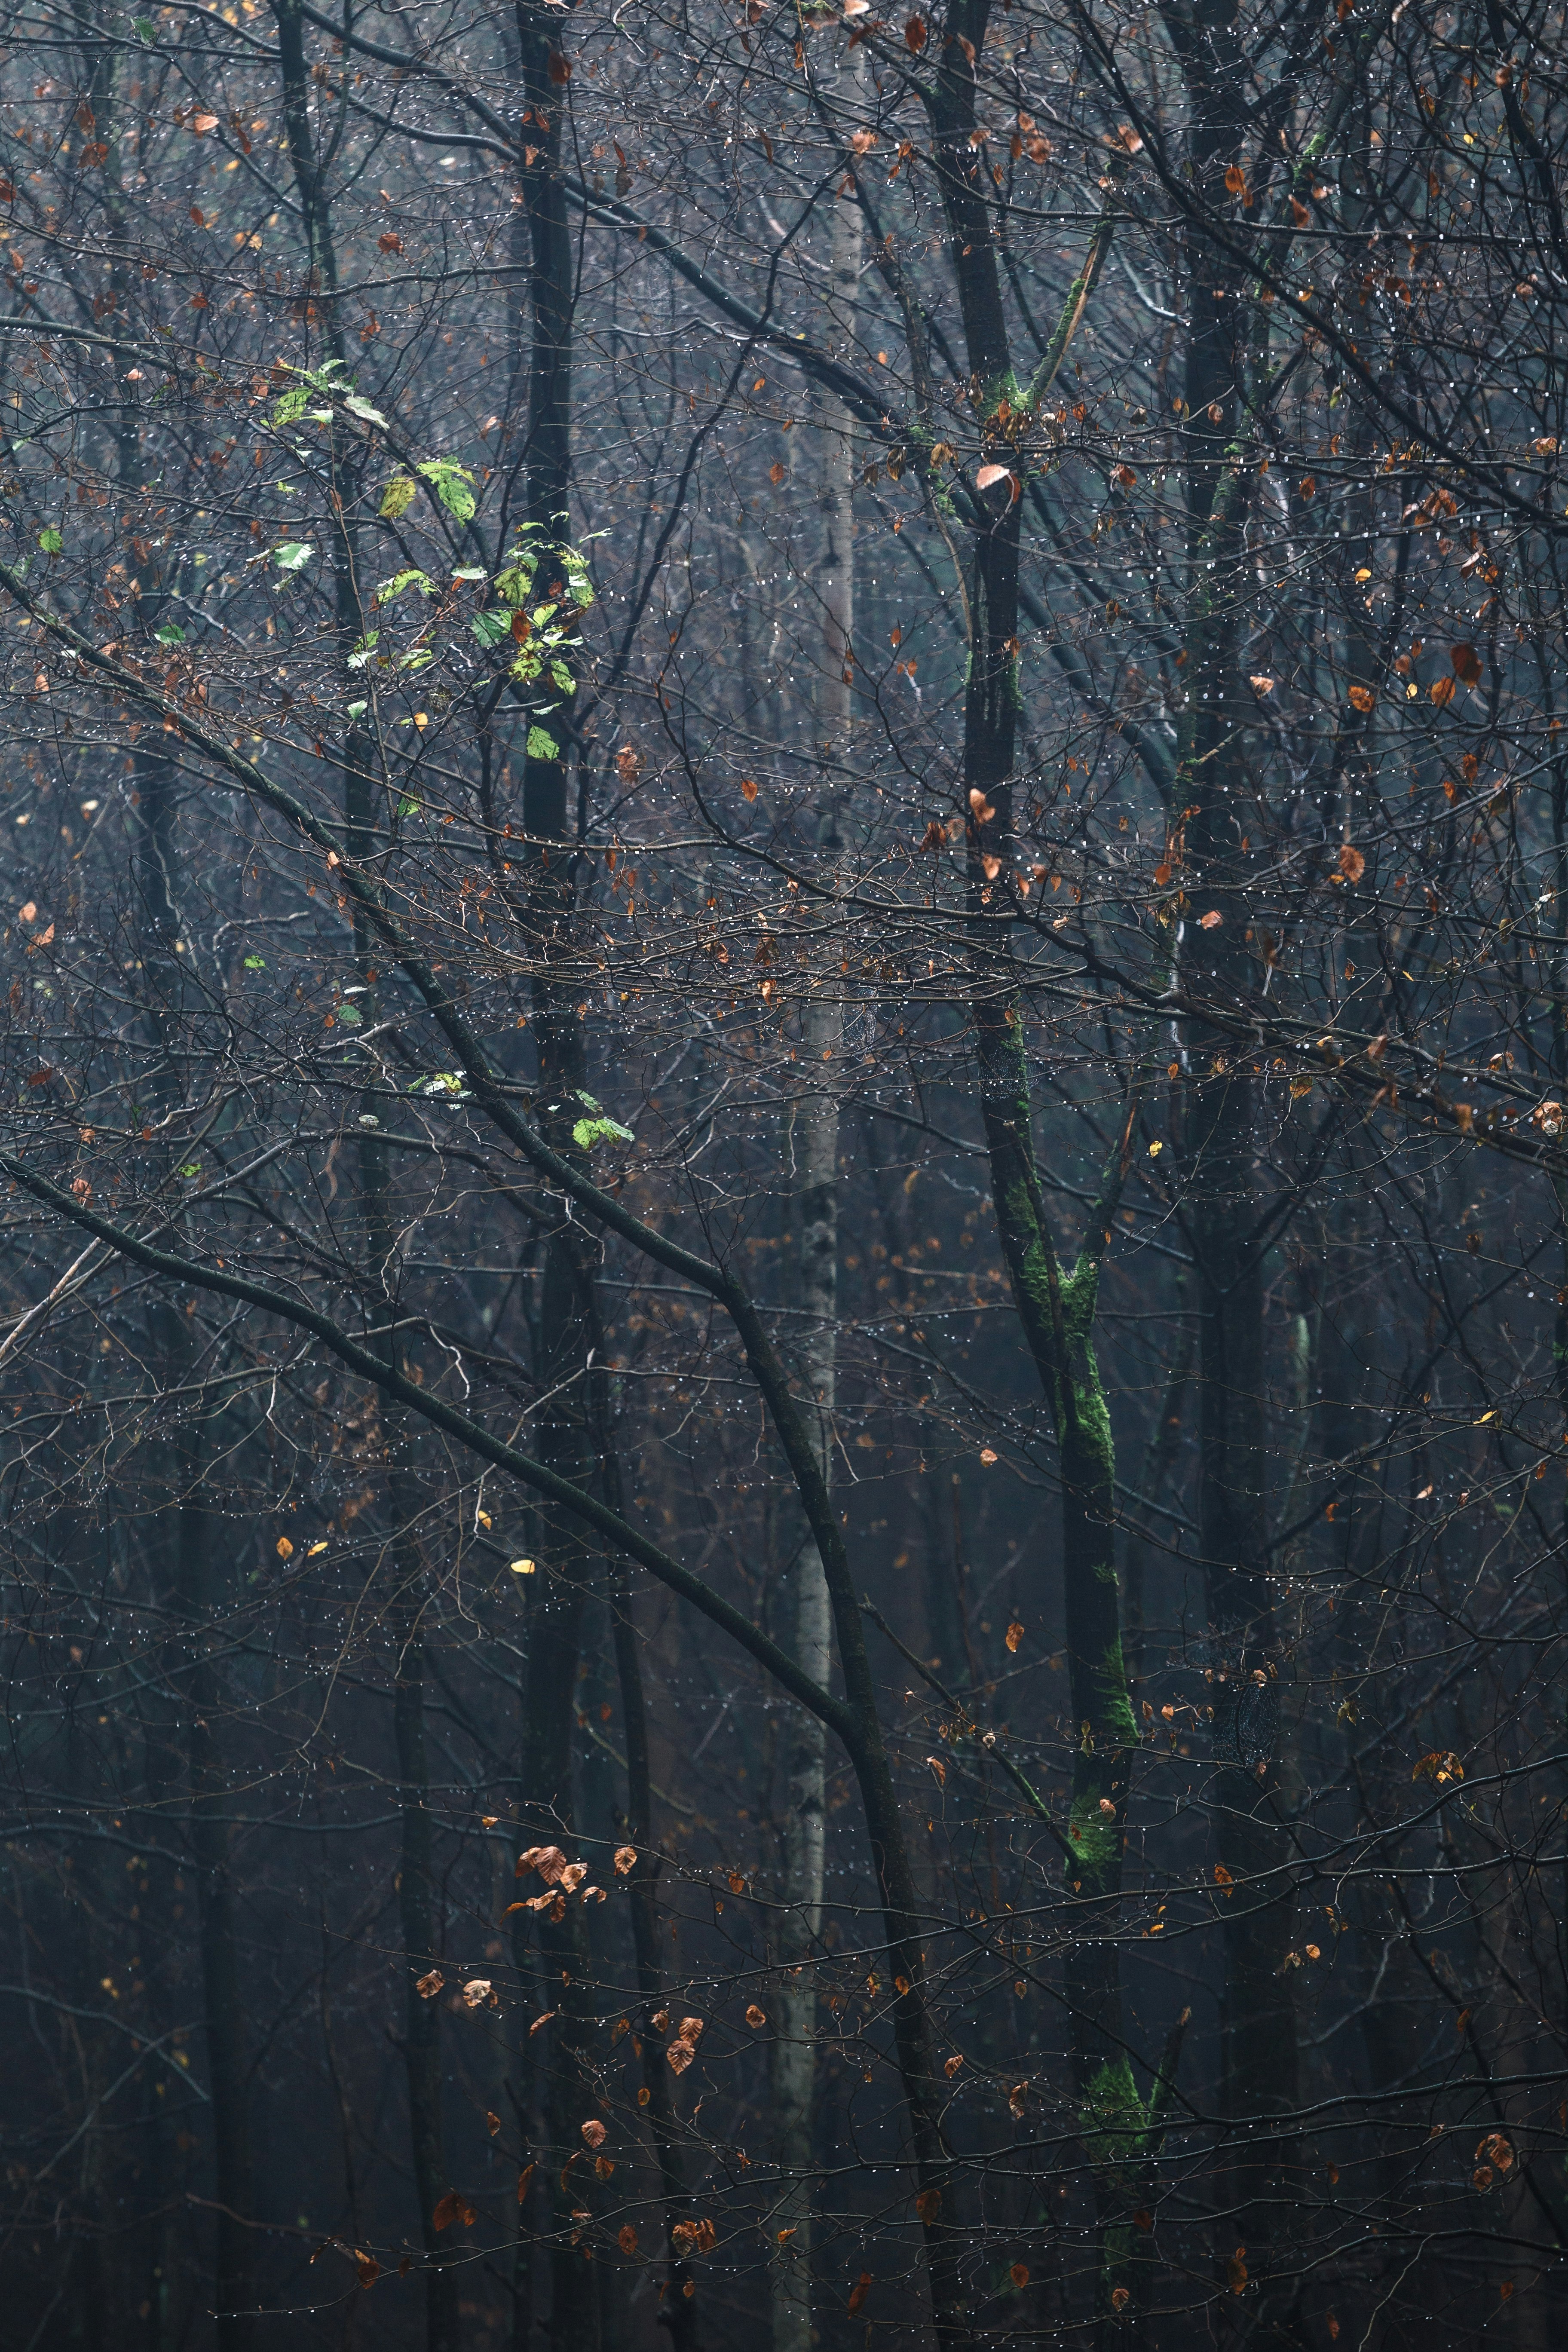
<point x="594" y="2132"/>
<point x="951" y="2065"/>
<point x="1019" y="2274"/>
<point x="1467" y="664"/>
<point x="1210" y="922"/>
<point x="859" y="2292"/>
<point x="755" y="2017"/>
<point x="1362" y="698"/>
<point x="1014" y="1635"/>
<point x="625" y="1861"/>
<point x="626" y="2238"/>
<point x="1352" y="865"/>
<point x="927" y="2205"/>
<point x="476" y="1992"/>
<point x="915" y="35"/>
<point x="989" y="475"/>
<point x="427" y="1987"/>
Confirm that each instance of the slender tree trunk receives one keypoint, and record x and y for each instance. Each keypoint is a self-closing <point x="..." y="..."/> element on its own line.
<point x="792" y="2058"/>
<point x="1216" y="792"/>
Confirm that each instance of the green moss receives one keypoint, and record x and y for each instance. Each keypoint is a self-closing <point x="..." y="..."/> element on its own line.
<point x="1112" y="2118"/>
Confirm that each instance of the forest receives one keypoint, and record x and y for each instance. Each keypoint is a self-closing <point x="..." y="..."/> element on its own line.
<point x="783" y="1034"/>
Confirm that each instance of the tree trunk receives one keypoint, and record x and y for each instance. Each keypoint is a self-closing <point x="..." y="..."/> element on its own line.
<point x="792" y="2058"/>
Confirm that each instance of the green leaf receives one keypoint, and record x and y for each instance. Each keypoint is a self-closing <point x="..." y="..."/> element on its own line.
<point x="358" y="709"/>
<point x="191" y="1168"/>
<point x="144" y="29"/>
<point x="398" y="497"/>
<point x="255" y="964"/>
<point x="406" y="807"/>
<point x="51" y="541"/>
<point x="292" y="555"/>
<point x="491" y="628"/>
<point x="450" y="483"/>
<point x="351" y="1016"/>
<point x="561" y="676"/>
<point x="402" y="580"/>
<point x="365" y="410"/>
<point x="292" y="404"/>
<point x="170" y="634"/>
<point x="589" y="1132"/>
<point x="420" y="658"/>
<point x="543" y="746"/>
<point x="469" y="572"/>
<point x="361" y="652"/>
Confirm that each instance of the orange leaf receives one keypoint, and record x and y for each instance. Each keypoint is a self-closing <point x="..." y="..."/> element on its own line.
<point x="1019" y="2274"/>
<point x="594" y="2132"/>
<point x="989" y="475"/>
<point x="1441" y="690"/>
<point x="1014" y="1635"/>
<point x="427" y="1987"/>
<point x="1235" y="179"/>
<point x="1362" y="698"/>
<point x="915" y="34"/>
<point x="859" y="2292"/>
<point x="1210" y="922"/>
<point x="1467" y="664"/>
<point x="626" y="2238"/>
<point x="749" y="789"/>
<point x="1120" y="2298"/>
<point x="1352" y="865"/>
<point x="390" y="242"/>
<point x="755" y="2017"/>
<point x="927" y="2205"/>
<point x="775" y="473"/>
<point x="446" y="2210"/>
<point x="626" y="1859"/>
<point x="951" y="2067"/>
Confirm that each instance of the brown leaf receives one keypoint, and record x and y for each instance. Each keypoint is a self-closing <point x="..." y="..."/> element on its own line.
<point x="524" y="2178"/>
<point x="369" y="2269"/>
<point x="749" y="789"/>
<point x="990" y="474"/>
<point x="1019" y="2274"/>
<point x="1014" y="1635"/>
<point x="202" y="123"/>
<point x="446" y="2210"/>
<point x="389" y="241"/>
<point x="1467" y="664"/>
<point x="980" y="807"/>
<point x="756" y="2017"/>
<point x="1120" y="2298"/>
<point x="1362" y="698"/>
<point x="915" y="34"/>
<point x="427" y="1987"/>
<point x="492" y="2121"/>
<point x="775" y="473"/>
<point x="559" y="69"/>
<point x="1352" y="865"/>
<point x="625" y="1861"/>
<point x="476" y="1992"/>
<point x="1261" y="684"/>
<point x="1236" y="2270"/>
<point x="626" y="2238"/>
<point x="927" y="2205"/>
<point x="540" y="2020"/>
<point x="594" y="2132"/>
<point x="1210" y="922"/>
<point x="859" y="2292"/>
<point x="680" y="2056"/>
<point x="1441" y="691"/>
<point x="951" y="2067"/>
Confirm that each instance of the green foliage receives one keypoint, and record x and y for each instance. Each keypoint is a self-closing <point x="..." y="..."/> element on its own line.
<point x="542" y="745"/>
<point x="450" y="483"/>
<point x="170" y="634"/>
<point x="398" y="497"/>
<point x="586" y="1132"/>
<point x="292" y="555"/>
<point x="49" y="540"/>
